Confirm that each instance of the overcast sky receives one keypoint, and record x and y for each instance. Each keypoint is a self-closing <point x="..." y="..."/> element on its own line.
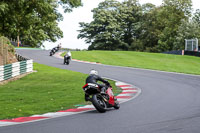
<point x="70" y="24"/>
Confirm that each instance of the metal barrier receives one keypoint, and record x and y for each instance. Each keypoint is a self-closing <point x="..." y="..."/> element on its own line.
<point x="11" y="70"/>
<point x="184" y="52"/>
<point x="20" y="58"/>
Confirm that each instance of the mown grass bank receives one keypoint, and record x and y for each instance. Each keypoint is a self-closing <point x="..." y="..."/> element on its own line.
<point x="47" y="90"/>
<point x="155" y="61"/>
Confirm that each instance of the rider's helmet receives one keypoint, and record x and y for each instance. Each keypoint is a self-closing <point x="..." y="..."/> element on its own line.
<point x="93" y="72"/>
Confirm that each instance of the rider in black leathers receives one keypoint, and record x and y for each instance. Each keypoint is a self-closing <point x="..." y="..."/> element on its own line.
<point x="67" y="57"/>
<point x="94" y="78"/>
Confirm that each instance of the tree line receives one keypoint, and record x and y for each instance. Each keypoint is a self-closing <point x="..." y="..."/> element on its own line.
<point x="34" y="21"/>
<point x="128" y="25"/>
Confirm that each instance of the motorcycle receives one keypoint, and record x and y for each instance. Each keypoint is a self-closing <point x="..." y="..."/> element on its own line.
<point x="66" y="60"/>
<point x="53" y="51"/>
<point x="101" y="101"/>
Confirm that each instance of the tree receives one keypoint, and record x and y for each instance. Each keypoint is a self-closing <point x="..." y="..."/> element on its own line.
<point x="34" y="21"/>
<point x="196" y="16"/>
<point x="130" y="21"/>
<point x="171" y="15"/>
<point x="130" y="26"/>
<point x="114" y="26"/>
<point x="187" y="30"/>
<point x="68" y="5"/>
<point x="150" y="30"/>
<point x="102" y="31"/>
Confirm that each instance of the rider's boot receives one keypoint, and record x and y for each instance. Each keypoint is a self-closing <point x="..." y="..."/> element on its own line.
<point x="87" y="98"/>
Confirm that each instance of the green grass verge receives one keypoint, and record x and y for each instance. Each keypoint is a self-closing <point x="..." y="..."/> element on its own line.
<point x="155" y="61"/>
<point x="47" y="90"/>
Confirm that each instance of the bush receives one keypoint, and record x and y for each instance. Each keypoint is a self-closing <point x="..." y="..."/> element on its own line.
<point x="7" y="51"/>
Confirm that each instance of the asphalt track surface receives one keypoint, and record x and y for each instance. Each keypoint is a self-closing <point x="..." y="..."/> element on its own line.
<point x="169" y="103"/>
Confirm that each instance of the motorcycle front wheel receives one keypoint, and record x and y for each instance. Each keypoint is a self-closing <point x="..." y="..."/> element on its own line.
<point x="99" y="103"/>
<point x="67" y="62"/>
<point x="116" y="106"/>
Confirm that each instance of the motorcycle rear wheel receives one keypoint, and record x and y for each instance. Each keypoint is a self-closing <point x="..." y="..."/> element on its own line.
<point x="67" y="62"/>
<point x="99" y="103"/>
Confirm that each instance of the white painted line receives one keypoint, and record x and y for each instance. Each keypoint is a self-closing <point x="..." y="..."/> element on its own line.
<point x="87" y="106"/>
<point x="130" y="90"/>
<point x="121" y="83"/>
<point x="7" y="123"/>
<point x="55" y="114"/>
<point x="129" y="94"/>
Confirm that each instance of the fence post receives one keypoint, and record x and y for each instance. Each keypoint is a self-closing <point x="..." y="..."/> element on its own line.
<point x="6" y="59"/>
<point x="183" y="52"/>
<point x="17" y="41"/>
<point x="3" y="52"/>
<point x="1" y="46"/>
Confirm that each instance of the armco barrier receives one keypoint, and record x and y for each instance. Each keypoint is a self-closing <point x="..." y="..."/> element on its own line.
<point x="192" y="53"/>
<point x="11" y="70"/>
<point x="184" y="52"/>
<point x="20" y="58"/>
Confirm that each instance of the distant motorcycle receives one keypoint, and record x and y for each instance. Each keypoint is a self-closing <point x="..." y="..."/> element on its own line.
<point x="67" y="57"/>
<point x="67" y="60"/>
<point x="101" y="101"/>
<point x="53" y="51"/>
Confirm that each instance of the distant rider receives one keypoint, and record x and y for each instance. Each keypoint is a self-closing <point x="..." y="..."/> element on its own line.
<point x="67" y="57"/>
<point x="59" y="46"/>
<point x="94" y="78"/>
<point x="55" y="49"/>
